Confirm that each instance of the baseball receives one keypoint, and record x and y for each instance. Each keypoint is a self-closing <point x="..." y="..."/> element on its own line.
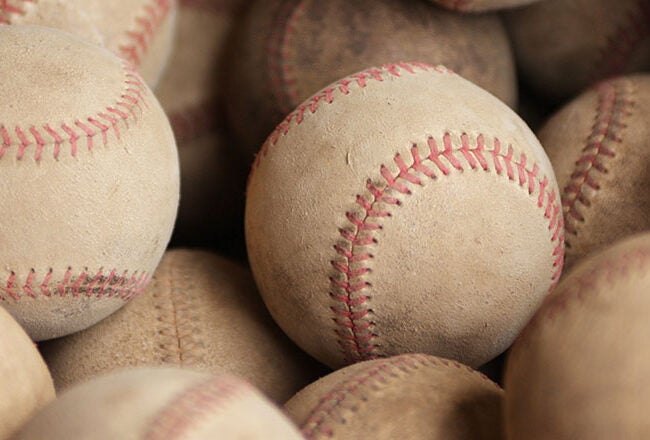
<point x="580" y="368"/>
<point x="597" y="144"/>
<point x="287" y="50"/>
<point x="403" y="209"/>
<point x="563" y="46"/>
<point x="140" y="31"/>
<point x="158" y="404"/>
<point x="200" y="311"/>
<point x="409" y="396"/>
<point x="89" y="181"/>
<point x="25" y="382"/>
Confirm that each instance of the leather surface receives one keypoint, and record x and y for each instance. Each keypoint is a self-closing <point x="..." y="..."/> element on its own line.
<point x="157" y="404"/>
<point x="201" y="311"/>
<point x="579" y="369"/>
<point x="563" y="46"/>
<point x="452" y="265"/>
<point x="408" y="396"/>
<point x="90" y="175"/>
<point x="481" y="5"/>
<point x="598" y="146"/>
<point x="289" y="49"/>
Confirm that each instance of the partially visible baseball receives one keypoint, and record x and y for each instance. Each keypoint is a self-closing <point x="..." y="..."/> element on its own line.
<point x="141" y="31"/>
<point x="25" y="382"/>
<point x="580" y="368"/>
<point x="403" y="209"/>
<point x="89" y="181"/>
<point x="200" y="311"/>
<point x="157" y="404"/>
<point x="481" y="5"/>
<point x="213" y="171"/>
<point x="598" y="145"/>
<point x="410" y="396"/>
<point x="287" y="50"/>
<point x="563" y="46"/>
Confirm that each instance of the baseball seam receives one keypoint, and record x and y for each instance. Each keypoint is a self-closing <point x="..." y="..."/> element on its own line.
<point x="100" y="125"/>
<point x="180" y="339"/>
<point x="350" y="289"/>
<point x="614" y="104"/>
<point x="146" y="23"/>
<point x="599" y="278"/>
<point x="624" y="41"/>
<point x="193" y="406"/>
<point x="8" y="9"/>
<point x="99" y="285"/>
<point x="374" y="376"/>
<point x="280" y="72"/>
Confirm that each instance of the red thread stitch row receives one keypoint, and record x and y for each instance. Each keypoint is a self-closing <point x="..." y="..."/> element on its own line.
<point x="9" y="8"/>
<point x="278" y="50"/>
<point x="192" y="406"/>
<point x="620" y="46"/>
<point x="80" y="133"/>
<point x="351" y="292"/>
<point x="614" y="102"/>
<point x="370" y="378"/>
<point x="146" y="24"/>
<point x="99" y="285"/>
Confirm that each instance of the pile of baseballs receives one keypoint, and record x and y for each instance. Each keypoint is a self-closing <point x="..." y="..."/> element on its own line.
<point x="341" y="219"/>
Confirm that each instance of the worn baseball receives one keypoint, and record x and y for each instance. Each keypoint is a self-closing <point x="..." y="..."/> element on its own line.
<point x="141" y="31"/>
<point x="200" y="311"/>
<point x="580" y="368"/>
<point x="25" y="382"/>
<point x="89" y="177"/>
<point x="286" y="50"/>
<point x="481" y="5"/>
<point x="213" y="171"/>
<point x="403" y="209"/>
<point x="410" y="396"/>
<point x="157" y="404"/>
<point x="563" y="46"/>
<point x="598" y="145"/>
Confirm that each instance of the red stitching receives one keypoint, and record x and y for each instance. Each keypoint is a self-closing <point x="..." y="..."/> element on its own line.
<point x="37" y="138"/>
<point x="615" y="55"/>
<point x="146" y="24"/>
<point x="356" y="331"/>
<point x="125" y="287"/>
<point x="194" y="405"/>
<point x="376" y="374"/>
<point x="9" y="7"/>
<point x="614" y="103"/>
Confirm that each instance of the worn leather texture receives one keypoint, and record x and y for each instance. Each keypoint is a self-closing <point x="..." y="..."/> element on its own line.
<point x="289" y="49"/>
<point x="481" y="5"/>
<point x="563" y="46"/>
<point x="25" y="382"/>
<point x="160" y="404"/>
<point x="403" y="209"/>
<point x="90" y="176"/>
<point x="201" y="311"/>
<point x="213" y="172"/>
<point x="408" y="396"/>
<point x="580" y="368"/>
<point x="598" y="145"/>
<point x="139" y="30"/>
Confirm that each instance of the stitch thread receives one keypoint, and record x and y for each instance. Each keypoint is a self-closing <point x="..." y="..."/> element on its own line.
<point x="146" y="24"/>
<point x="100" y="125"/>
<point x="615" y="55"/>
<point x="373" y="377"/>
<point x="614" y="103"/>
<point x="351" y="292"/>
<point x="193" y="406"/>
<point x="98" y="285"/>
<point x="9" y="8"/>
<point x="180" y="340"/>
